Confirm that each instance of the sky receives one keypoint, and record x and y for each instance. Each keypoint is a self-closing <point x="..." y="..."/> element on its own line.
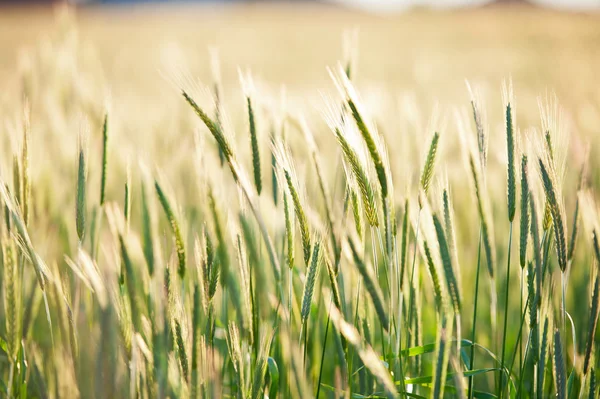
<point x="394" y="5"/>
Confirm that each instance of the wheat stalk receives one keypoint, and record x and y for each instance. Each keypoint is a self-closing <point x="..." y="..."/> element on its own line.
<point x="593" y="321"/>
<point x="371" y="286"/>
<point x="175" y="229"/>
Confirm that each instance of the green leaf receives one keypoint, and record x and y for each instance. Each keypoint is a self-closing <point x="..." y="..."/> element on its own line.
<point x="427" y="348"/>
<point x="274" y="377"/>
<point x="429" y="378"/>
<point x="3" y="345"/>
<point x="476" y="394"/>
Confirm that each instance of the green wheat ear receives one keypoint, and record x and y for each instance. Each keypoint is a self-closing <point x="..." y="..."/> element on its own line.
<point x="12" y="297"/>
<point x="183" y="360"/>
<point x="478" y="118"/>
<point x="371" y="146"/>
<point x="537" y="255"/>
<point x="362" y="178"/>
<point x="147" y="229"/>
<point x="451" y="234"/>
<point x="254" y="145"/>
<point x="356" y="213"/>
<point x="274" y="181"/>
<point x="127" y="200"/>
<point x="80" y="215"/>
<point x="547" y="207"/>
<point x="533" y="319"/>
<point x="524" y="212"/>
<point x="213" y="127"/>
<point x="333" y="280"/>
<point x="211" y="267"/>
<point x="311" y="278"/>
<point x="6" y="210"/>
<point x="451" y="281"/>
<point x="26" y="178"/>
<point x="179" y="243"/>
<point x="435" y="280"/>
<point x="17" y="181"/>
<point x="104" y="160"/>
<point x="557" y="216"/>
<point x="560" y="373"/>
<point x="442" y="353"/>
<point x="301" y="216"/>
<point x="592" y="384"/>
<point x="429" y="166"/>
<point x="543" y="354"/>
<point x="486" y="230"/>
<point x="289" y="230"/>
<point x="511" y="174"/>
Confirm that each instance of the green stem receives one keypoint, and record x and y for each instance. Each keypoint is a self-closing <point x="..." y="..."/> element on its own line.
<point x="376" y="263"/>
<point x="351" y="362"/>
<point x="10" y="378"/>
<point x="323" y="352"/>
<point x="541" y="368"/>
<point x="563" y="280"/>
<point x="289" y="321"/>
<point x="522" y="311"/>
<point x="412" y="276"/>
<point x="521" y="371"/>
<point x="399" y="330"/>
<point x="506" y="292"/>
<point x="512" y="363"/>
<point x="474" y="329"/>
<point x="290" y="299"/>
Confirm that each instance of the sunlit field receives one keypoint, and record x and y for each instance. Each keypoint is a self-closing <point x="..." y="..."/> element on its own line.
<point x="294" y="201"/>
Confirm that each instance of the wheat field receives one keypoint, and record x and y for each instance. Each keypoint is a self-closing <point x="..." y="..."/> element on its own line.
<point x="298" y="201"/>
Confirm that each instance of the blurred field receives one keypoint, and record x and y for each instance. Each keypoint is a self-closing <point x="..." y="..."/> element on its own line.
<point x="428" y="52"/>
<point x="424" y="54"/>
<point x="411" y="72"/>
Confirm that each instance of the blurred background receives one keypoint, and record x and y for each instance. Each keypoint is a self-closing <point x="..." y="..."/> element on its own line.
<point x="423" y="45"/>
<point x="368" y="4"/>
<point x="417" y="52"/>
